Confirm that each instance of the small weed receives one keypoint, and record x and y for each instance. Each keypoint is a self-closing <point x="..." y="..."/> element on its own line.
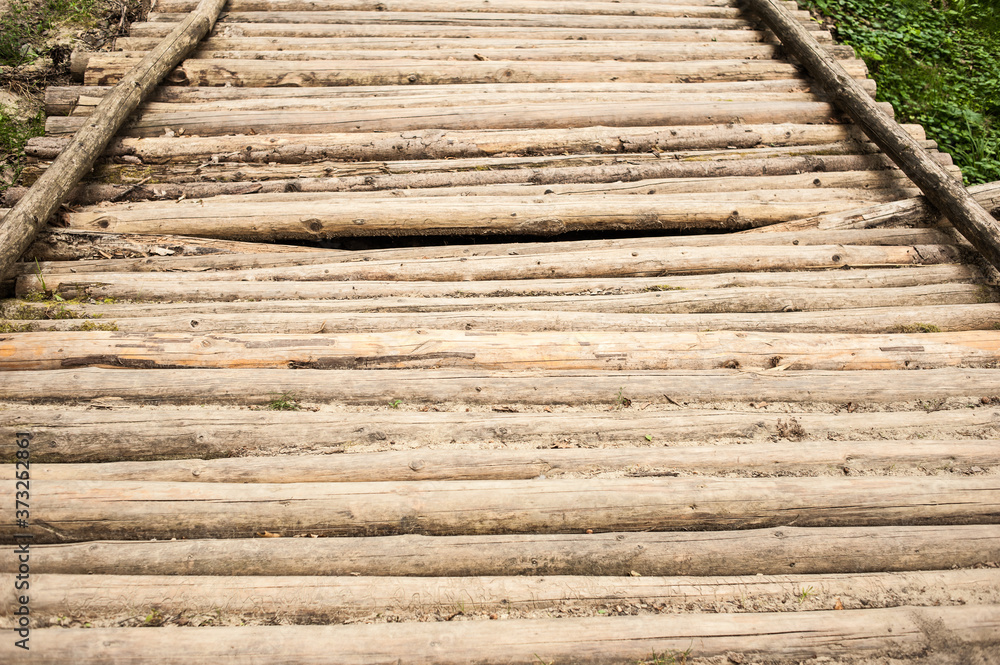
<point x="918" y="328"/>
<point x="284" y="402"/>
<point x="622" y="402"/>
<point x="649" y="437"/>
<point x="8" y="327"/>
<point x="668" y="658"/>
<point x="90" y="326"/>
<point x="154" y="618"/>
<point x="805" y="593"/>
<point x="394" y="404"/>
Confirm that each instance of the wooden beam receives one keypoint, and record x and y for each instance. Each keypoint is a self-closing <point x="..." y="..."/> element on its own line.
<point x="941" y="189"/>
<point x="20" y="226"/>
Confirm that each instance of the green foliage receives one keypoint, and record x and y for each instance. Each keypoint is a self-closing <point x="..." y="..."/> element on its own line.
<point x="14" y="134"/>
<point x="23" y="25"/>
<point x="284" y="402"/>
<point x="937" y="62"/>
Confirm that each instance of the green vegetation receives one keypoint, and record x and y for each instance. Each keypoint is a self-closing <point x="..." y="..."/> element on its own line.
<point x="937" y="62"/>
<point x="14" y="134"/>
<point x="284" y="402"/>
<point x="919" y="328"/>
<point x="23" y="26"/>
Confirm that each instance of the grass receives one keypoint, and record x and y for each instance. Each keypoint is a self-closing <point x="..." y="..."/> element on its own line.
<point x="937" y="62"/>
<point x="24" y="24"/>
<point x="919" y="328"/>
<point x="284" y="402"/>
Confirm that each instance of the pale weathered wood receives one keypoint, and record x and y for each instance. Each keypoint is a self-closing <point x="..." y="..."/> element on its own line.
<point x="459" y="31"/>
<point x="328" y="217"/>
<point x="766" y="551"/>
<point x="428" y="144"/>
<point x="302" y="599"/>
<point x="109" y="69"/>
<point x="807" y="458"/>
<point x="789" y="636"/>
<point x="539" y="318"/>
<point x="413" y="347"/>
<point x="543" y="387"/>
<point x="61" y="100"/>
<point x="22" y="223"/>
<point x="124" y="434"/>
<point x="499" y="116"/>
<point x="945" y="192"/>
<point x="66" y="511"/>
<point x="910" y="211"/>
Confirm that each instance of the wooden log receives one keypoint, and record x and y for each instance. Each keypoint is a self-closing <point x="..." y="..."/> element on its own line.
<point x="805" y="550"/>
<point x="428" y="144"/>
<point x="917" y="210"/>
<point x="70" y="245"/>
<point x="61" y="100"/>
<point x="814" y="458"/>
<point x="458" y="31"/>
<point x="778" y="636"/>
<point x="103" y="599"/>
<point x="363" y="48"/>
<point x="499" y="116"/>
<point x="68" y="511"/>
<point x="541" y="387"/>
<point x="798" y="172"/>
<point x="152" y="434"/>
<point x="325" y="219"/>
<point x="486" y="20"/>
<point x="21" y="224"/>
<point x="941" y="189"/>
<point x="945" y="318"/>
<point x="471" y="349"/>
<point x="287" y="293"/>
<point x="495" y="6"/>
<point x="108" y="69"/>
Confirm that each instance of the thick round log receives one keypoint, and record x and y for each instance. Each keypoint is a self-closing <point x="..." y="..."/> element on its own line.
<point x="499" y="116"/>
<point x="21" y="224"/>
<point x="67" y="511"/>
<point x="428" y="144"/>
<point x="780" y="636"/>
<point x="540" y="387"/>
<point x="751" y="552"/>
<point x="109" y="69"/>
<point x="945" y="192"/>
<point x="806" y="458"/>
<point x="102" y="599"/>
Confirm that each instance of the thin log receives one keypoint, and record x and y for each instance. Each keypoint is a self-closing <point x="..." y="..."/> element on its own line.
<point x="104" y="598"/>
<point x="888" y="319"/>
<point x="109" y="69"/>
<point x="540" y="387"/>
<point x="487" y="350"/>
<point x="794" y="636"/>
<point x="497" y="116"/>
<point x="371" y="216"/>
<point x="20" y="226"/>
<point x="429" y="144"/>
<point x="68" y="511"/>
<point x="941" y="189"/>
<point x="61" y="100"/>
<point x="756" y="551"/>
<point x="109" y="435"/>
<point x="917" y="210"/>
<point x="458" y="31"/>
<point x="806" y="458"/>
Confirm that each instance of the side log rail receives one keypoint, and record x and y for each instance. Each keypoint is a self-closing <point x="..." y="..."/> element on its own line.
<point x="510" y="332"/>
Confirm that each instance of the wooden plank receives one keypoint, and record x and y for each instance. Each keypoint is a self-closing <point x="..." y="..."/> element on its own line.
<point x="104" y="598"/>
<point x="791" y="636"/>
<point x="428" y="144"/>
<point x="755" y="551"/>
<point x="498" y="116"/>
<point x="67" y="511"/>
<point x="540" y="387"/>
<point x="472" y="349"/>
<point x="761" y="458"/>
<point x="21" y="224"/>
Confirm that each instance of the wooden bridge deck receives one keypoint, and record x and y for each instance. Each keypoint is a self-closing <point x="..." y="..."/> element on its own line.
<point x="517" y="331"/>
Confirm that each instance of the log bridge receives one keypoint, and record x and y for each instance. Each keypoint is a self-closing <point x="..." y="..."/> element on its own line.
<point x="506" y="332"/>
